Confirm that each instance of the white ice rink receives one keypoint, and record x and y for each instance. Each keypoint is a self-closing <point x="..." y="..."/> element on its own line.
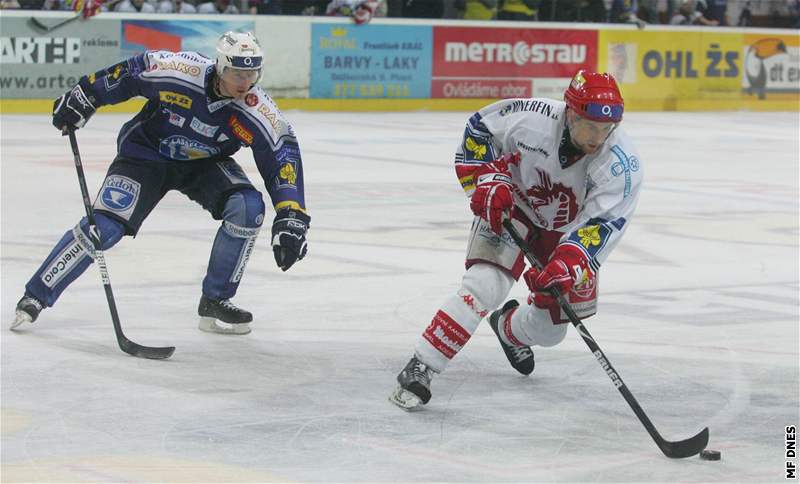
<point x="698" y="312"/>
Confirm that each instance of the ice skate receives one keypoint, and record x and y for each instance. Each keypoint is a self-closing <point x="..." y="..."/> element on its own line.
<point x="414" y="386"/>
<point x="223" y="317"/>
<point x="28" y="309"/>
<point x="520" y="357"/>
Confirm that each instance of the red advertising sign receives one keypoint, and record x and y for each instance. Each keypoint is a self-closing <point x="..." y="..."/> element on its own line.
<point x="481" y="52"/>
<point x="481" y="88"/>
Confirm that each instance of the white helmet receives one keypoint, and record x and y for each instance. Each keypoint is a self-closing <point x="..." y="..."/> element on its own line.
<point x="239" y="50"/>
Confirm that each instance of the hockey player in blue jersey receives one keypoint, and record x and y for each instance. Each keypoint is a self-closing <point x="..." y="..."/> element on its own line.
<point x="199" y="112"/>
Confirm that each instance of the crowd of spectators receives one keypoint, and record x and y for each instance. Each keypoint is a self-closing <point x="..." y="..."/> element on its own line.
<point x="782" y="13"/>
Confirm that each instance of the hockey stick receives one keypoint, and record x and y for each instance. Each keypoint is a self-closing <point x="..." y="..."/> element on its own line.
<point x="39" y="25"/>
<point x="128" y="346"/>
<point x="675" y="450"/>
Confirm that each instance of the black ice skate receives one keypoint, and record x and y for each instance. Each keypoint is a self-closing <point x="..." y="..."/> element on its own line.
<point x="520" y="357"/>
<point x="235" y="320"/>
<point x="414" y="386"/>
<point x="28" y="309"/>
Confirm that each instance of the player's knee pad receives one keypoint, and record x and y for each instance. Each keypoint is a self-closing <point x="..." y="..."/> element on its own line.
<point x="485" y="286"/>
<point x="110" y="231"/>
<point x="244" y="209"/>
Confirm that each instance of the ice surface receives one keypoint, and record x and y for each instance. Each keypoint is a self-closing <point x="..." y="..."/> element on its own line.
<point x="699" y="314"/>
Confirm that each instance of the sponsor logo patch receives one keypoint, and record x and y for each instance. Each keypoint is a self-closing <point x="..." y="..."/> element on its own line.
<point x="63" y="264"/>
<point x="119" y="194"/>
<point x="251" y="99"/>
<point x="271" y="117"/>
<point x="203" y="128"/>
<point x="180" y="147"/>
<point x="240" y="131"/>
<point x="175" y="118"/>
<point x="179" y="100"/>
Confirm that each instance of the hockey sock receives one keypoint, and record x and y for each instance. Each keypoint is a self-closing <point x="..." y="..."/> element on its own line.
<point x="236" y="237"/>
<point x="70" y="258"/>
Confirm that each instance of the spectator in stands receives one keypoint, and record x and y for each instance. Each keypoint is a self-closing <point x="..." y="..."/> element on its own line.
<point x="714" y="10"/>
<point x="477" y="9"/>
<point x="9" y="4"/>
<point x="421" y="8"/>
<point x="745" y="16"/>
<point x="517" y="9"/>
<point x="573" y="11"/>
<point x="135" y="6"/>
<point x="265" y="7"/>
<point x="625" y="12"/>
<point x="689" y="15"/>
<point x="218" y="6"/>
<point x="175" y="6"/>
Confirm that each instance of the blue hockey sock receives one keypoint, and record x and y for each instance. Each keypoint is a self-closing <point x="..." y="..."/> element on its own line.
<point x="242" y="219"/>
<point x="70" y="258"/>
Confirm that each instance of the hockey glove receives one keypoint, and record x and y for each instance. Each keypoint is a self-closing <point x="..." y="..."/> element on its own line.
<point x="73" y="108"/>
<point x="567" y="268"/>
<point x="289" y="237"/>
<point x="493" y="197"/>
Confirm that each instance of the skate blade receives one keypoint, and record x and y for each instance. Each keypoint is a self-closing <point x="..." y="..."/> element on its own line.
<point x="211" y="325"/>
<point x="406" y="400"/>
<point x="20" y="317"/>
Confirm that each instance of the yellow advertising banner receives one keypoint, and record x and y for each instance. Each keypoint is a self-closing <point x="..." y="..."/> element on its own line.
<point x="659" y="69"/>
<point x="702" y="69"/>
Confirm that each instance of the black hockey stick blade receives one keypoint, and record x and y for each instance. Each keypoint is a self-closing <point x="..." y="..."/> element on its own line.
<point x="149" y="352"/>
<point x="684" y="448"/>
<point x="39" y="25"/>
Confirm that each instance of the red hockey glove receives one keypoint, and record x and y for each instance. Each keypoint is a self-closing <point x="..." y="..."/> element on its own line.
<point x="493" y="196"/>
<point x="567" y="267"/>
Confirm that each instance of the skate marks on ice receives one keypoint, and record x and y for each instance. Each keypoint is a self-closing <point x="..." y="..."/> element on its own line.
<point x="303" y="397"/>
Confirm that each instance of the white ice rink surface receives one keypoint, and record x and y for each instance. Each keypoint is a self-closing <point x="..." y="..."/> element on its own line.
<point x="699" y="314"/>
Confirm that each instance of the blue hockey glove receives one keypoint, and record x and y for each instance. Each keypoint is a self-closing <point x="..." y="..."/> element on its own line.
<point x="289" y="237"/>
<point x="73" y="108"/>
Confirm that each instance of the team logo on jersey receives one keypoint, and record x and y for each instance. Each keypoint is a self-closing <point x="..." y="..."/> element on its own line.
<point x="180" y="147"/>
<point x="119" y="195"/>
<point x="477" y="150"/>
<point x="287" y="175"/>
<point x="553" y="204"/>
<point x="251" y="99"/>
<point x="202" y="128"/>
<point x="240" y="131"/>
<point x="179" y="100"/>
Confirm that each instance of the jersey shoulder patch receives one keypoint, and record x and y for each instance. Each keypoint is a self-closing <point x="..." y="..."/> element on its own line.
<point x="185" y="66"/>
<point x="264" y="112"/>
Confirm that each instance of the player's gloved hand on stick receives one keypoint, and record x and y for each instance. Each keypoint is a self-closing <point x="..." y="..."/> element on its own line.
<point x="567" y="267"/>
<point x="493" y="195"/>
<point x="289" y="237"/>
<point x="73" y="108"/>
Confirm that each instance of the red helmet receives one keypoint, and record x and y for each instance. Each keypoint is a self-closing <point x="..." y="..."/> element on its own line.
<point x="595" y="96"/>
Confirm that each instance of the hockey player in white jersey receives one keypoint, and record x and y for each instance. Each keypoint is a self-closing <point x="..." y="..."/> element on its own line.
<point x="199" y="112"/>
<point x="568" y="177"/>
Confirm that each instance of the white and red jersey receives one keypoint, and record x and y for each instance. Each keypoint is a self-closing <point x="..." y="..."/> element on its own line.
<point x="590" y="201"/>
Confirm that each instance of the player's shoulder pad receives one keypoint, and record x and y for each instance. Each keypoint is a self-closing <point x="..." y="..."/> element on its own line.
<point x="183" y="66"/>
<point x="259" y="108"/>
